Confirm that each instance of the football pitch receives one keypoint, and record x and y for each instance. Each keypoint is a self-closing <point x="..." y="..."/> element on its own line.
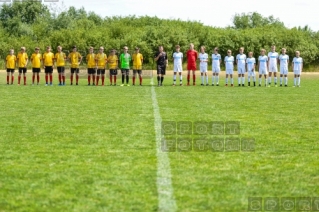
<point x="85" y="148"/>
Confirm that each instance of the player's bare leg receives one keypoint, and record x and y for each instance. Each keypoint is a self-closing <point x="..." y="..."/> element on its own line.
<point x="8" y="78"/>
<point x="71" y="78"/>
<point x="63" y="78"/>
<point x="158" y="79"/>
<point x="127" y="78"/>
<point x="286" y="80"/>
<point x="174" y="79"/>
<point x="46" y="79"/>
<point x="231" y="80"/>
<point x="141" y="78"/>
<point x="194" y="77"/>
<point x="265" y="79"/>
<point x="180" y="79"/>
<point x="51" y="78"/>
<point x="93" y="77"/>
<point x="38" y="78"/>
<point x="188" y="76"/>
<point x="269" y="78"/>
<point x="226" y="84"/>
<point x="243" y="79"/>
<point x="133" y="78"/>
<point x="77" y="78"/>
<point x="202" y="78"/>
<point x="103" y="78"/>
<point x="206" y="78"/>
<point x="24" y="79"/>
<point x="19" y="78"/>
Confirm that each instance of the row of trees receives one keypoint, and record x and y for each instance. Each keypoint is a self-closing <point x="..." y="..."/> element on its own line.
<point x="31" y="23"/>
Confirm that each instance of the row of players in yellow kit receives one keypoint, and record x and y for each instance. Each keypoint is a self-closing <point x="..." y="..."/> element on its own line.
<point x="96" y="64"/>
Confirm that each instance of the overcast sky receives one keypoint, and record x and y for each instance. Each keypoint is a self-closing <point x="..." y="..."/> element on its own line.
<point x="210" y="12"/>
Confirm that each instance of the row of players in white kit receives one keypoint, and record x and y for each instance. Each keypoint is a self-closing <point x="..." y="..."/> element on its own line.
<point x="266" y="66"/>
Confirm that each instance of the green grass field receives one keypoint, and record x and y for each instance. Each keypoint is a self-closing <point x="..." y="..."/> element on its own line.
<point x="80" y="148"/>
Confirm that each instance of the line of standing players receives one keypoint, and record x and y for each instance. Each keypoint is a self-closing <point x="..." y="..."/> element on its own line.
<point x="267" y="66"/>
<point x="96" y="64"/>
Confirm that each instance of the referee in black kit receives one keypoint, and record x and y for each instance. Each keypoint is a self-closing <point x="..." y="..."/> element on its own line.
<point x="162" y="63"/>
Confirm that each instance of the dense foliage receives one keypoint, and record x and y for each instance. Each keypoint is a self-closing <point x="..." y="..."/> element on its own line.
<point x="30" y="23"/>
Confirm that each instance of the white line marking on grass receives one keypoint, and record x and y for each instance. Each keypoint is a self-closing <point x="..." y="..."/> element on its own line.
<point x="166" y="201"/>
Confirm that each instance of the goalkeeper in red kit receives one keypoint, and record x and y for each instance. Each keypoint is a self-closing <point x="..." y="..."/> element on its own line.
<point x="192" y="56"/>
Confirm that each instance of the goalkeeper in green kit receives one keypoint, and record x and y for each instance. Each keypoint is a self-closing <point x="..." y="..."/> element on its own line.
<point x="125" y="59"/>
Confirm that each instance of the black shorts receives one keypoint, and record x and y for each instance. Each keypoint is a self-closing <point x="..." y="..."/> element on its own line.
<point x="91" y="71"/>
<point x="36" y="70"/>
<point x="113" y="72"/>
<point x="137" y="71"/>
<point x="10" y="70"/>
<point x="75" y="70"/>
<point x="125" y="71"/>
<point x="60" y="69"/>
<point x="24" y="70"/>
<point x="161" y="69"/>
<point x="101" y="71"/>
<point x="48" y="70"/>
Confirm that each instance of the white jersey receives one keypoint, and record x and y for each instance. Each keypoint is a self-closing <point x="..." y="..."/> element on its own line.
<point x="250" y="63"/>
<point x="273" y="56"/>
<point x="284" y="61"/>
<point x="263" y="62"/>
<point x="216" y="58"/>
<point x="229" y="62"/>
<point x="203" y="57"/>
<point x="241" y="60"/>
<point x="297" y="61"/>
<point x="178" y="58"/>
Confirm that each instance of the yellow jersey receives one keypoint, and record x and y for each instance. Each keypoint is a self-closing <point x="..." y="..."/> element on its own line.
<point x="60" y="59"/>
<point x="137" y="61"/>
<point x="48" y="59"/>
<point x="36" y="60"/>
<point x="11" y="61"/>
<point x="90" y="59"/>
<point x="74" y="59"/>
<point x="101" y="60"/>
<point x="22" y="59"/>
<point x="112" y="60"/>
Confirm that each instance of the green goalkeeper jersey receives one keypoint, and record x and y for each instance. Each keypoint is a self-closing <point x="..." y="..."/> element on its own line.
<point x="125" y="60"/>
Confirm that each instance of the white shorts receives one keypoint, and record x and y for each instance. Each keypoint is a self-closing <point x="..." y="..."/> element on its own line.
<point x="283" y="70"/>
<point x="216" y="69"/>
<point x="178" y="68"/>
<point x="273" y="69"/>
<point x="251" y="73"/>
<point x="203" y="69"/>
<point x="241" y="70"/>
<point x="229" y="71"/>
<point x="263" y="71"/>
<point x="297" y="72"/>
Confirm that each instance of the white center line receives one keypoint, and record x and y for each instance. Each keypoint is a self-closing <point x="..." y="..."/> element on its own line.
<point x="166" y="200"/>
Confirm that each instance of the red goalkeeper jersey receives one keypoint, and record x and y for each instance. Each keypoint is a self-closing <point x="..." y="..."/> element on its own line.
<point x="192" y="56"/>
